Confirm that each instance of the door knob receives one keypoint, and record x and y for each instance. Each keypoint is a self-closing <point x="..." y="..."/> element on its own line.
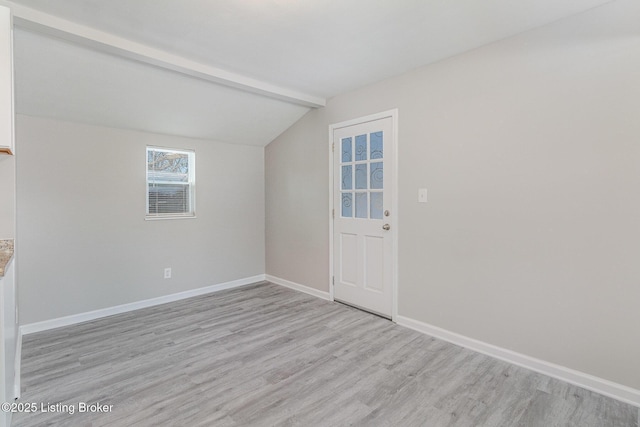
<point x="386" y="227"/>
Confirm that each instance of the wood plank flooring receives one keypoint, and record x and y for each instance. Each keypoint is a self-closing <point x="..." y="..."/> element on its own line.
<point x="264" y="355"/>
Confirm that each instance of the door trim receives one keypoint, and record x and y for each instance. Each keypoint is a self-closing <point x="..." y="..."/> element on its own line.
<point x="393" y="114"/>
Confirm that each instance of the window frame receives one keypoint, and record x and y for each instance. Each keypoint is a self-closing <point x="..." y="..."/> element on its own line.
<point x="191" y="183"/>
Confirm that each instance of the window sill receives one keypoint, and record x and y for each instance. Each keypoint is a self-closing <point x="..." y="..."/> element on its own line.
<point x="159" y="218"/>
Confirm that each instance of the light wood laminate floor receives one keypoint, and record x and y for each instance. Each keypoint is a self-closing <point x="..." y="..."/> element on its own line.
<point x="264" y="355"/>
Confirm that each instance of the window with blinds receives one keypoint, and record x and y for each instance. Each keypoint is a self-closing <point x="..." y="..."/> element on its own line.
<point x="170" y="183"/>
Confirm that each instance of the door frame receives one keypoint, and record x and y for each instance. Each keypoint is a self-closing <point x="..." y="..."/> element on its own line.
<point x="393" y="114"/>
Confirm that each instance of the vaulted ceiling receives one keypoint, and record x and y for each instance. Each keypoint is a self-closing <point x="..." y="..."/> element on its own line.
<point x="239" y="71"/>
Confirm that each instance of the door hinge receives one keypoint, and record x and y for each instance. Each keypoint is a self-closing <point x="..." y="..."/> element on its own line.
<point x="333" y="213"/>
<point x="333" y="280"/>
<point x="333" y="147"/>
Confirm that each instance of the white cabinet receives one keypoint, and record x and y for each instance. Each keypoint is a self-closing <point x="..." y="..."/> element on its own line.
<point x="8" y="340"/>
<point x="6" y="81"/>
<point x="8" y="324"/>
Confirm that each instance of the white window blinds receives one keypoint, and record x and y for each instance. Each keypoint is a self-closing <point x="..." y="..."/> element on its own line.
<point x="170" y="183"/>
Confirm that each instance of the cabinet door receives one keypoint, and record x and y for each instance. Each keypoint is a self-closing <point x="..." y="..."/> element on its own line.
<point x="6" y="81"/>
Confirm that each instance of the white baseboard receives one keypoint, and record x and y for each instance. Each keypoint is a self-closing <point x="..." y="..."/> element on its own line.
<point x="298" y="287"/>
<point x="17" y="366"/>
<point x="599" y="385"/>
<point x="110" y="311"/>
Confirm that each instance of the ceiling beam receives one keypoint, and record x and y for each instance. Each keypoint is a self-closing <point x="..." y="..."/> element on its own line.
<point x="34" y="20"/>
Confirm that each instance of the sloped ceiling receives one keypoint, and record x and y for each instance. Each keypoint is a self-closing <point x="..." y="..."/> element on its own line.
<point x="61" y="80"/>
<point x="319" y="48"/>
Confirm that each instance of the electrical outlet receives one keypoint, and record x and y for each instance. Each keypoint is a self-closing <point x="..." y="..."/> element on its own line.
<point x="167" y="273"/>
<point x="422" y="195"/>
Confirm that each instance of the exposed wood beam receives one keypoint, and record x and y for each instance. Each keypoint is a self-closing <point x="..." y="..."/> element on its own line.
<point x="34" y="20"/>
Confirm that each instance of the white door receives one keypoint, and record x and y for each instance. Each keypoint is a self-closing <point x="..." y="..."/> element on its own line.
<point x="362" y="201"/>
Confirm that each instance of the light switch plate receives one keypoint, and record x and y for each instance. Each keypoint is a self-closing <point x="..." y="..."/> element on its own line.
<point x="422" y="195"/>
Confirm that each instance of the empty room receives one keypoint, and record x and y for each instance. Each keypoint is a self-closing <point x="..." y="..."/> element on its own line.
<point x="320" y="213"/>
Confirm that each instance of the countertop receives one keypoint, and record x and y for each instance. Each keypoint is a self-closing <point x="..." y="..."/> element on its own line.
<point x="6" y="252"/>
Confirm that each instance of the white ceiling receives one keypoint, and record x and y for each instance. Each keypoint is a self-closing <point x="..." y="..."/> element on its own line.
<point x="60" y="80"/>
<point x="317" y="47"/>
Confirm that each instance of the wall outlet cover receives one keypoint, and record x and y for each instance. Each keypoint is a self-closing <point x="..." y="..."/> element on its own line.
<point x="422" y="195"/>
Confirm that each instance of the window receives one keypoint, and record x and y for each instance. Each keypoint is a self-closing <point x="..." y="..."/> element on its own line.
<point x="362" y="176"/>
<point x="170" y="183"/>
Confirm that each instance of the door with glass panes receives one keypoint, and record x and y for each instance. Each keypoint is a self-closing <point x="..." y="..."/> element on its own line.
<point x="362" y="239"/>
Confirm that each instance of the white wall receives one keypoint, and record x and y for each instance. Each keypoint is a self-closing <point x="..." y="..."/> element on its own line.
<point x="84" y="242"/>
<point x="297" y="200"/>
<point x="530" y="150"/>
